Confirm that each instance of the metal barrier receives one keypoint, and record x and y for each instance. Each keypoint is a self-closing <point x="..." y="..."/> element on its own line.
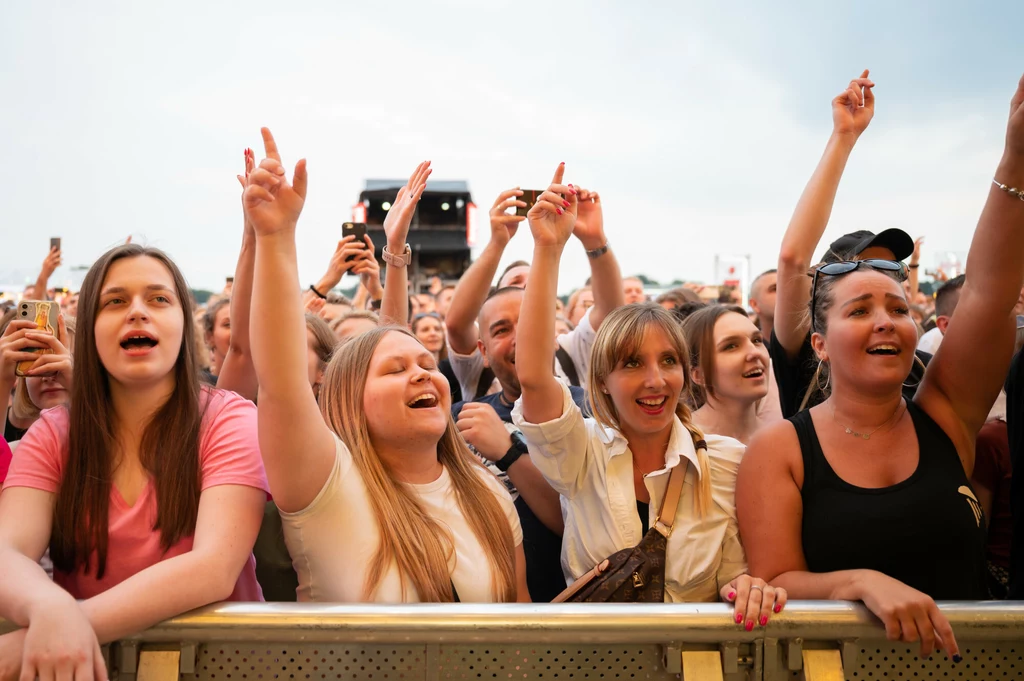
<point x="696" y="642"/>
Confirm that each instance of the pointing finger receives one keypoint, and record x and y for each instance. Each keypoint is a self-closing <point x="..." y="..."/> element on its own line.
<point x="270" y="145"/>
<point x="559" y="172"/>
<point x="299" y="179"/>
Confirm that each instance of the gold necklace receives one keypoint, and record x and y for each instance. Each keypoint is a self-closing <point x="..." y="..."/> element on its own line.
<point x="854" y="433"/>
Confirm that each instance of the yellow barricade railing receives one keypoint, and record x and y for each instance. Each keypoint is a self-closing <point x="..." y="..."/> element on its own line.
<point x="816" y="640"/>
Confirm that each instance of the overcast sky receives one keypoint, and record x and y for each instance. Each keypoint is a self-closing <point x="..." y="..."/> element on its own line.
<point x="698" y="122"/>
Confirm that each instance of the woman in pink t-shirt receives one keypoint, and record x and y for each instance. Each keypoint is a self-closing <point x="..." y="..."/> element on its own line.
<point x="148" y="489"/>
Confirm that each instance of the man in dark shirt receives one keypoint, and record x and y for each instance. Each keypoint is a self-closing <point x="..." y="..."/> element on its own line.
<point x="486" y="424"/>
<point x="1015" y="436"/>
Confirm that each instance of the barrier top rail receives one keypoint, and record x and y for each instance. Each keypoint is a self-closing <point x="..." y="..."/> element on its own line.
<point x="597" y="623"/>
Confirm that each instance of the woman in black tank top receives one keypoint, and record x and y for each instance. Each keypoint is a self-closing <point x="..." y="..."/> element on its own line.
<point x="866" y="496"/>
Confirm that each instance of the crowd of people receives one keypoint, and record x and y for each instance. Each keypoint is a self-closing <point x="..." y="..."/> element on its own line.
<point x="844" y="436"/>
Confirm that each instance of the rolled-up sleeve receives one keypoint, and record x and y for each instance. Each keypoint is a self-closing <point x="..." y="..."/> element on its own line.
<point x="558" y="448"/>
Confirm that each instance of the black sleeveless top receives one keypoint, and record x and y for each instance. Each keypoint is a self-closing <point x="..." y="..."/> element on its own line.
<point x="927" y="531"/>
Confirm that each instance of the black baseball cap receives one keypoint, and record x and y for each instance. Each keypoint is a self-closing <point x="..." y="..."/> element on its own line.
<point x="848" y="246"/>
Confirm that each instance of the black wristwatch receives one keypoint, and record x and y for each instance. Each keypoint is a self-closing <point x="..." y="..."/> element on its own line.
<point x="517" y="449"/>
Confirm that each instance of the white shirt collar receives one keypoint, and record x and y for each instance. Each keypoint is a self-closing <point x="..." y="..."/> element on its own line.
<point x="680" y="445"/>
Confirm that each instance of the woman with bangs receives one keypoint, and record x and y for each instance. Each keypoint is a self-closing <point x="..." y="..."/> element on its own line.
<point x="867" y="496"/>
<point x="730" y="369"/>
<point x="148" y="488"/>
<point x="380" y="499"/>
<point x="613" y="469"/>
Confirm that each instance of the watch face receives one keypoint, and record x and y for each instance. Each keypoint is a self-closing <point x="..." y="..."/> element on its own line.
<point x="519" y="441"/>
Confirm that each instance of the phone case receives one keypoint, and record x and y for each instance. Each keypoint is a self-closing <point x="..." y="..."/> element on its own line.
<point x="44" y="313"/>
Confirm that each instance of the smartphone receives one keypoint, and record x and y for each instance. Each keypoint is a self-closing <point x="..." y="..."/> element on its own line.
<point x="530" y="197"/>
<point x="54" y="243"/>
<point x="356" y="229"/>
<point x="44" y="313"/>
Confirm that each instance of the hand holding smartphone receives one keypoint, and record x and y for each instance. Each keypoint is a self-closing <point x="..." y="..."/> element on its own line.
<point x="44" y="314"/>
<point x="356" y="229"/>
<point x="530" y="197"/>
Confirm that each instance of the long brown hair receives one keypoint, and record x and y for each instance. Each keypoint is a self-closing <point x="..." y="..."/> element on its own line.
<point x="169" y="449"/>
<point x="409" y="536"/>
<point x="620" y="336"/>
<point x="699" y="331"/>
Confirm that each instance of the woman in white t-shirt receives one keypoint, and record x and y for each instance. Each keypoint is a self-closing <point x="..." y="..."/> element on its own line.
<point x="613" y="469"/>
<point x="381" y="500"/>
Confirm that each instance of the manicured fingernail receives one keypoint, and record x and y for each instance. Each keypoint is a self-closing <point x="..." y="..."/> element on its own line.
<point x="750" y="625"/>
<point x="764" y="620"/>
<point x="957" y="658"/>
<point x="739" y="619"/>
<point x="565" y="203"/>
<point x="562" y="163"/>
<point x="558" y="210"/>
<point x="732" y="595"/>
<point x="777" y="608"/>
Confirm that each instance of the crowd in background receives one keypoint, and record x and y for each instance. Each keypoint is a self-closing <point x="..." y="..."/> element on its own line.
<point x="841" y="434"/>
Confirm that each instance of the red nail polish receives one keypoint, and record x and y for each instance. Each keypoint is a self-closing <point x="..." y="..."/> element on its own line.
<point x="777" y="608"/>
<point x="750" y="625"/>
<point x="739" y="619"/>
<point x="559" y="210"/>
<point x="565" y="203"/>
<point x="764" y="620"/>
<point x="732" y="595"/>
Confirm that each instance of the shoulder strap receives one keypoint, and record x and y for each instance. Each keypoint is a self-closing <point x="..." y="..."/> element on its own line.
<point x="568" y="366"/>
<point x="667" y="514"/>
<point x="482" y="385"/>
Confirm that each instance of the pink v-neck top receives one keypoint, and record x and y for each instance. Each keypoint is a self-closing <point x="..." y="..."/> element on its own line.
<point x="228" y="454"/>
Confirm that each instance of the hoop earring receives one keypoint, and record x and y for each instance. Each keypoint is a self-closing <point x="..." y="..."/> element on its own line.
<point x="817" y="378"/>
<point x="917" y="360"/>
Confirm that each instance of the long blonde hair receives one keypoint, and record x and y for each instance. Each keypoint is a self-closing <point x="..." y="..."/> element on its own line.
<point x="620" y="337"/>
<point x="409" y="535"/>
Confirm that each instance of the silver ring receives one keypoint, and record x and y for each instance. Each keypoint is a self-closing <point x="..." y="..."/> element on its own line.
<point x="755" y="586"/>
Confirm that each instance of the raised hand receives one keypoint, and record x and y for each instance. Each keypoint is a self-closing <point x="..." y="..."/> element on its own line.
<point x="915" y="258"/>
<point x="503" y="225"/>
<point x="366" y="266"/>
<point x="589" y="219"/>
<point x="552" y="218"/>
<point x="315" y="305"/>
<point x="396" y="224"/>
<point x="16" y="345"/>
<point x="57" y="362"/>
<point x="854" y="108"/>
<point x="1015" y="127"/>
<point x="51" y="263"/>
<point x="272" y="204"/>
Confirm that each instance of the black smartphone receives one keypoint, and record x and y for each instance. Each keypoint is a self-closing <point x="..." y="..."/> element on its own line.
<point x="356" y="229"/>
<point x="530" y="197"/>
<point x="54" y="243"/>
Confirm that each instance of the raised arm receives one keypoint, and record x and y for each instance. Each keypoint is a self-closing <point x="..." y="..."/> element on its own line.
<point x="969" y="367"/>
<point x="51" y="263"/>
<point x="342" y="261"/>
<point x="394" y="307"/>
<point x="605" y="277"/>
<point x="913" y="279"/>
<point x="297" y="447"/>
<point x="552" y="220"/>
<point x="238" y="374"/>
<point x="851" y="113"/>
<point x="475" y="284"/>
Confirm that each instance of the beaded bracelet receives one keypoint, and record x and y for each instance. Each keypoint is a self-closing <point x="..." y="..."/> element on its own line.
<point x="1012" y="191"/>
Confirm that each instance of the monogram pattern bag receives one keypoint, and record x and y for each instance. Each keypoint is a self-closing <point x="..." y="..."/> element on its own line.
<point x="637" y="574"/>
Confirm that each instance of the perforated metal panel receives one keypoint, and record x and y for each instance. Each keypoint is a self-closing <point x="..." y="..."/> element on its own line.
<point x="288" y="662"/>
<point x="267" y="662"/>
<point x="884" y="660"/>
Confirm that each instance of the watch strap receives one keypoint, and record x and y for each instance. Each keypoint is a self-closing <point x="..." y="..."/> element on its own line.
<point x="397" y="259"/>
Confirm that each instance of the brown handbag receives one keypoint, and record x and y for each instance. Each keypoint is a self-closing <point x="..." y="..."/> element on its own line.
<point x="634" y="575"/>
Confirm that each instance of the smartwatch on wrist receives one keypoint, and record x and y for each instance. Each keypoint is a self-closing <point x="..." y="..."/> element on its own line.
<point x="517" y="449"/>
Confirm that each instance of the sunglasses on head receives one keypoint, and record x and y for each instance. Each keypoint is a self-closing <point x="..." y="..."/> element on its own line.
<point x="893" y="268"/>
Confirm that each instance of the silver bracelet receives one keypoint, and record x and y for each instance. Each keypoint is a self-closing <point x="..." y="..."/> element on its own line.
<point x="1012" y="191"/>
<point x="598" y="252"/>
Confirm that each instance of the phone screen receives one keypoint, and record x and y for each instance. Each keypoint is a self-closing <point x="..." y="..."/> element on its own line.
<point x="356" y="229"/>
<point x="54" y="243"/>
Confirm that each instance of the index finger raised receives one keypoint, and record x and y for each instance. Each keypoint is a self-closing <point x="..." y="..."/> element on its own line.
<point x="559" y="173"/>
<point x="270" y="145"/>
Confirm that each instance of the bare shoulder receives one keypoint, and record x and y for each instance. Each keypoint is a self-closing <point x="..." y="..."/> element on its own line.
<point x="774" y="450"/>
